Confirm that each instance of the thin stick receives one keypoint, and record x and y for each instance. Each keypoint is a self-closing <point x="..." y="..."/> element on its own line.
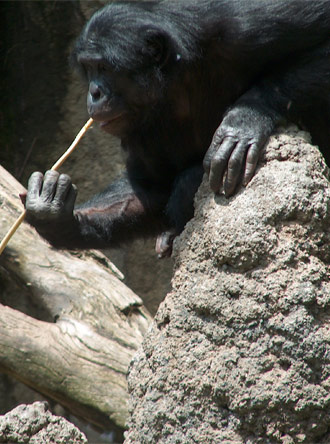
<point x="12" y="230"/>
<point x="73" y="145"/>
<point x="56" y="165"/>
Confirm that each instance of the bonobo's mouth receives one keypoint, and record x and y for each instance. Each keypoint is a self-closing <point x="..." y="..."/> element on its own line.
<point x="117" y="125"/>
<point x="105" y="123"/>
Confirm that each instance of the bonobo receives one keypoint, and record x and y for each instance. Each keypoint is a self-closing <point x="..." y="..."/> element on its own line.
<point x="187" y="86"/>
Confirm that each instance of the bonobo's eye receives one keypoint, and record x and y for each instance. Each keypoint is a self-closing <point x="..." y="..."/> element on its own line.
<point x="102" y="67"/>
<point x="157" y="46"/>
<point x="82" y="69"/>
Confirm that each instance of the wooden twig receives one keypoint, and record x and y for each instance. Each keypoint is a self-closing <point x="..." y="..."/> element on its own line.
<point x="56" y="165"/>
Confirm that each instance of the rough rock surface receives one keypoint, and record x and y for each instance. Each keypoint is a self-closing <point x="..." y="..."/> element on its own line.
<point x="239" y="350"/>
<point x="35" y="424"/>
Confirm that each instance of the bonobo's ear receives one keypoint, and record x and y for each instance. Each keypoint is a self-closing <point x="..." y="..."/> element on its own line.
<point x="157" y="45"/>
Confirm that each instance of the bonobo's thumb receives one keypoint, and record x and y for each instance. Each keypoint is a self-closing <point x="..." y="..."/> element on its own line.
<point x="22" y="196"/>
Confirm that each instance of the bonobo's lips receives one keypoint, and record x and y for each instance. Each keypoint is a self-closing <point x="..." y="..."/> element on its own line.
<point x="109" y="122"/>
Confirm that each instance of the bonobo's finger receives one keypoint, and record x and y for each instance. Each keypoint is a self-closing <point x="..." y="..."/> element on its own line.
<point x="210" y="153"/>
<point x="208" y="158"/>
<point x="63" y="187"/>
<point x="219" y="164"/>
<point x="22" y="196"/>
<point x="34" y="186"/>
<point x="49" y="185"/>
<point x="251" y="163"/>
<point x="235" y="167"/>
<point x="71" y="198"/>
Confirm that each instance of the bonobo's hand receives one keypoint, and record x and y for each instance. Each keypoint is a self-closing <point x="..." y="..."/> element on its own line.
<point x="50" y="198"/>
<point x="236" y="147"/>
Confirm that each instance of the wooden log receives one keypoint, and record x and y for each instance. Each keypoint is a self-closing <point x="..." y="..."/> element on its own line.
<point x="81" y="325"/>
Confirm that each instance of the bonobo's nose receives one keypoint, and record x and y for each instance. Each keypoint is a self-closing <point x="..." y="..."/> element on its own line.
<point x="95" y="91"/>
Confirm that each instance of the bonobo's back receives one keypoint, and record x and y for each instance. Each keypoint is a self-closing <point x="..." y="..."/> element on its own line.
<point x="259" y="27"/>
<point x="249" y="24"/>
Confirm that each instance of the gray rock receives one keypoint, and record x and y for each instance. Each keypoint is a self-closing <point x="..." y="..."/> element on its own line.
<point x="35" y="424"/>
<point x="239" y="350"/>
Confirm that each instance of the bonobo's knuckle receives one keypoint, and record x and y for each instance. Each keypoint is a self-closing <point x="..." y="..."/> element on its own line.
<point x="35" y="180"/>
<point x="206" y="165"/>
<point x="218" y="137"/>
<point x="234" y="163"/>
<point x="253" y="151"/>
<point x="65" y="178"/>
<point x="41" y="208"/>
<point x="238" y="155"/>
<point x="64" y="181"/>
<point x="37" y="210"/>
<point x="219" y="158"/>
<point x="227" y="130"/>
<point x="52" y="174"/>
<point x="36" y="175"/>
<point x="56" y="208"/>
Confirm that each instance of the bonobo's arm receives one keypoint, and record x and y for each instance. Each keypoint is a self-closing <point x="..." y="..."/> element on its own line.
<point x="180" y="207"/>
<point x="236" y="146"/>
<point x="118" y="214"/>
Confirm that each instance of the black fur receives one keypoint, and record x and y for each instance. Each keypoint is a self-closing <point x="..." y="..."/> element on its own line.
<point x="182" y="82"/>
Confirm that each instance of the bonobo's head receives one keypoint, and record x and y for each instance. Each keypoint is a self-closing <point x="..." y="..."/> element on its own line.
<point x="129" y="54"/>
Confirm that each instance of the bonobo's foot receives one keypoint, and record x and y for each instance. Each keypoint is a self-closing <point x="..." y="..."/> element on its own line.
<point x="164" y="243"/>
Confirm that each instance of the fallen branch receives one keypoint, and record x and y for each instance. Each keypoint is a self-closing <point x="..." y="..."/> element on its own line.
<point x="68" y="362"/>
<point x="81" y="360"/>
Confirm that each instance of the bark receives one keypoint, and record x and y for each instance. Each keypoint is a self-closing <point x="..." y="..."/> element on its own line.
<point x="68" y="326"/>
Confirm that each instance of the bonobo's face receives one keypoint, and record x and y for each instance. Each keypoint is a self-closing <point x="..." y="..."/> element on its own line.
<point x="124" y="64"/>
<point x="110" y="95"/>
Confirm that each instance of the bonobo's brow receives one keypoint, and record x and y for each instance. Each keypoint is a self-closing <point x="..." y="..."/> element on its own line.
<point x="87" y="58"/>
